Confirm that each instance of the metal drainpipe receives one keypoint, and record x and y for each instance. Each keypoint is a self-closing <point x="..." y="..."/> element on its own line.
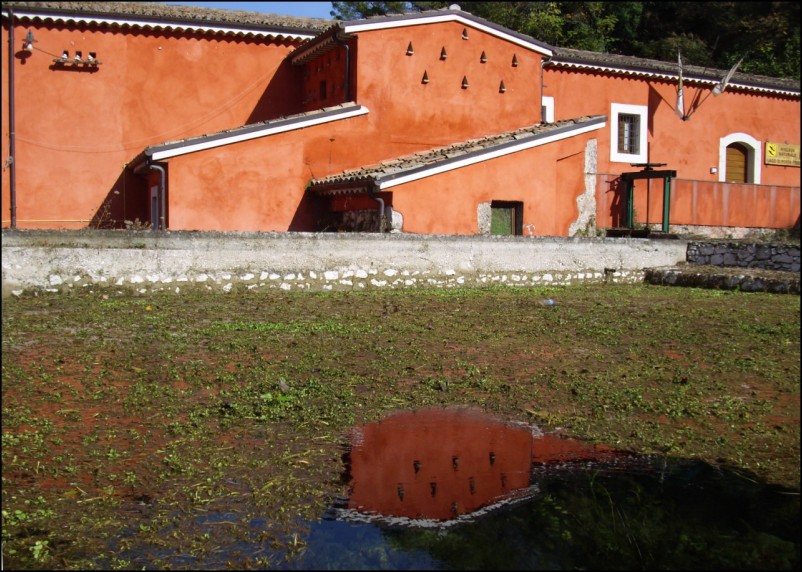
<point x="162" y="180"/>
<point x="347" y="66"/>
<point x="12" y="174"/>
<point x="372" y="195"/>
<point x="162" y="184"/>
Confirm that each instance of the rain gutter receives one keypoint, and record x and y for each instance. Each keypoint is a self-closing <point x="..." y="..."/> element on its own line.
<point x="12" y="175"/>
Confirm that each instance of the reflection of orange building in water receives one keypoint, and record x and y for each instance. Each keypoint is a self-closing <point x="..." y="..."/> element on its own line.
<point x="439" y="464"/>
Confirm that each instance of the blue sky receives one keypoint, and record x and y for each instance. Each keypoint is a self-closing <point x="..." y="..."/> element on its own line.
<point x="308" y="9"/>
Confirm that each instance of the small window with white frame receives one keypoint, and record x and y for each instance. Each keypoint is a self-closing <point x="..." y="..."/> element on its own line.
<point x="628" y="143"/>
<point x="547" y="109"/>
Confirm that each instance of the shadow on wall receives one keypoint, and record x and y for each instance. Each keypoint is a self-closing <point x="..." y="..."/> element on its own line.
<point x="125" y="205"/>
<point x="655" y="99"/>
<point x="351" y="213"/>
<point x="282" y="96"/>
<point x="311" y="215"/>
<point x="619" y="204"/>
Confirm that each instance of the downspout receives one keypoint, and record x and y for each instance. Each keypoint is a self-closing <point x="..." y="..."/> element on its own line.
<point x="372" y="194"/>
<point x="12" y="175"/>
<point x="162" y="180"/>
<point x="162" y="184"/>
<point x="347" y="65"/>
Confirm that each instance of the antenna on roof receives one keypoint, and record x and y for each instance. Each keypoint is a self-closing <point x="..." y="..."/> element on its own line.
<point x="454" y="7"/>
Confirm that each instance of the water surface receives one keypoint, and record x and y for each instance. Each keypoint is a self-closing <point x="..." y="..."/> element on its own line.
<point x="452" y="488"/>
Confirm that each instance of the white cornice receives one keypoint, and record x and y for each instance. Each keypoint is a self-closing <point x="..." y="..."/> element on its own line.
<point x="269" y="129"/>
<point x="263" y="30"/>
<point x="385" y="24"/>
<point x="668" y="76"/>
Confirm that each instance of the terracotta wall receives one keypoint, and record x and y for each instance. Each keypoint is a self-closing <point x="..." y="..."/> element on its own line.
<point x="259" y="185"/>
<point x="77" y="129"/>
<point x="447" y="203"/>
<point x="702" y="203"/>
<point x="411" y="115"/>
<point x="690" y="147"/>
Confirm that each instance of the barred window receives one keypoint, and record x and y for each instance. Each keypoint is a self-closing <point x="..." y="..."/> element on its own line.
<point x="628" y="134"/>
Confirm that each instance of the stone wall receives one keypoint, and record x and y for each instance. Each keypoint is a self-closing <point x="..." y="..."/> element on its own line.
<point x="780" y="257"/>
<point x="144" y="262"/>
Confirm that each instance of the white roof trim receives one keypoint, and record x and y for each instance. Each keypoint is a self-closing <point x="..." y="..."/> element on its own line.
<point x="268" y="130"/>
<point x="169" y="26"/>
<point x="672" y="76"/>
<point x="369" y="26"/>
<point x="491" y="154"/>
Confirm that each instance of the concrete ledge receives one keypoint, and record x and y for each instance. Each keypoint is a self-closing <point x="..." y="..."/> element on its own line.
<point x="143" y="262"/>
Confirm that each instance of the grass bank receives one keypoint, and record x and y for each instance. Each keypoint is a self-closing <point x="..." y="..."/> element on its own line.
<point x="129" y="421"/>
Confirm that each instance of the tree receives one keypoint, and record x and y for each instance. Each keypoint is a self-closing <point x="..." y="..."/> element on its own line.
<point x="357" y="10"/>
<point x="712" y="34"/>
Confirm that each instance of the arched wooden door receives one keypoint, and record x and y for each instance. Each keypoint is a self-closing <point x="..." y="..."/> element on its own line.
<point x="737" y="161"/>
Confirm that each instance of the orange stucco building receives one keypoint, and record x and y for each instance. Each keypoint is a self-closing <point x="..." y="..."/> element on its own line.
<point x="440" y="122"/>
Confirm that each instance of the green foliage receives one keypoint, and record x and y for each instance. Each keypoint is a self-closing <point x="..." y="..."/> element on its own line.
<point x="293" y="327"/>
<point x="356" y="10"/>
<point x="710" y="34"/>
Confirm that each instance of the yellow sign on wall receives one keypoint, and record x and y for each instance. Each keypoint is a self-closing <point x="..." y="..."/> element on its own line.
<point x="782" y="154"/>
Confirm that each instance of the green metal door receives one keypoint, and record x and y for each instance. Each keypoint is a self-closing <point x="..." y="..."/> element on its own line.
<point x="502" y="221"/>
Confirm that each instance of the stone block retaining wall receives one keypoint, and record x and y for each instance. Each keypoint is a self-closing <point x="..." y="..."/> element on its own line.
<point x="780" y="257"/>
<point x="727" y="265"/>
